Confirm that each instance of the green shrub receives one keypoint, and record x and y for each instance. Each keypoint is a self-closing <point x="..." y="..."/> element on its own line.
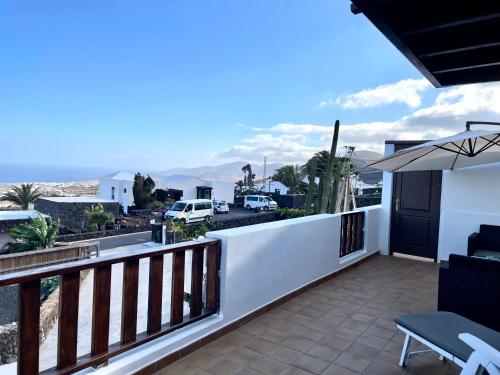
<point x="92" y="227"/>
<point x="157" y="204"/>
<point x="39" y="233"/>
<point x="98" y="216"/>
<point x="289" y="213"/>
<point x="47" y="286"/>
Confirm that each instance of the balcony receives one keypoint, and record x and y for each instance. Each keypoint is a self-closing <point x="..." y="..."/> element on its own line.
<point x="342" y="326"/>
<point x="306" y="295"/>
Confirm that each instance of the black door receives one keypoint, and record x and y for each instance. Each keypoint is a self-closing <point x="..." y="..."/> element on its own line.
<point x="416" y="198"/>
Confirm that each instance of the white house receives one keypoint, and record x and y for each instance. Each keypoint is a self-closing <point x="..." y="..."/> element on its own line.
<point x="118" y="187"/>
<point x="275" y="187"/>
<point x="194" y="188"/>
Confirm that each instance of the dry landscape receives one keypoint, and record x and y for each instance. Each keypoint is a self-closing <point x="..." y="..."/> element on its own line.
<point x="57" y="189"/>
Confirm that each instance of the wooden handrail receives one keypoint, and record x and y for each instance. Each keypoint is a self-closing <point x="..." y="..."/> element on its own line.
<point x="101" y="350"/>
<point x="60" y="269"/>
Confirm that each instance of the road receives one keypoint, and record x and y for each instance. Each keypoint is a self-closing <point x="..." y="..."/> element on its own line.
<point x="137" y="238"/>
<point x="124" y="240"/>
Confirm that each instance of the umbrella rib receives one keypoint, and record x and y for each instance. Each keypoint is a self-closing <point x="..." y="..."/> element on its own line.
<point x="488" y="145"/>
<point x="411" y="161"/>
<point x="456" y="157"/>
<point x="450" y="150"/>
<point x="396" y="154"/>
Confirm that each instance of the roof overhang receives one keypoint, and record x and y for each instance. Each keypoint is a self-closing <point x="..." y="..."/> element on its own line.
<point x="451" y="42"/>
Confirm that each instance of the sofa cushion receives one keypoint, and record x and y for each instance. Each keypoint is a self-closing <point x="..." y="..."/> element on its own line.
<point x="489" y="237"/>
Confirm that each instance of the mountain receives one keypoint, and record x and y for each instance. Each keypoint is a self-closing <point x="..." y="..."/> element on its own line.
<point x="363" y="158"/>
<point x="232" y="171"/>
<point x="224" y="172"/>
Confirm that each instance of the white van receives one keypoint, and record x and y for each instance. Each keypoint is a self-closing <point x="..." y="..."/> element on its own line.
<point x="259" y="203"/>
<point x="193" y="210"/>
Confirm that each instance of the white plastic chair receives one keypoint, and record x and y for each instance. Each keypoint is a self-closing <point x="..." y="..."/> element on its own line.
<point x="484" y="357"/>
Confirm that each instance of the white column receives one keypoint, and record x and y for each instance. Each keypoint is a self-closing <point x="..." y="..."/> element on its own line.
<point x="385" y="225"/>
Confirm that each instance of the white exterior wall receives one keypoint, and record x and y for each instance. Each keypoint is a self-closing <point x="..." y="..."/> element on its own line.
<point x="259" y="264"/>
<point x="223" y="191"/>
<point x="469" y="197"/>
<point x="271" y="187"/>
<point x="125" y="199"/>
<point x="385" y="220"/>
<point x="188" y="188"/>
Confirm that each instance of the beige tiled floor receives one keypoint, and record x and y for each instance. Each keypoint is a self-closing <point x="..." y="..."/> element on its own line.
<point x="344" y="326"/>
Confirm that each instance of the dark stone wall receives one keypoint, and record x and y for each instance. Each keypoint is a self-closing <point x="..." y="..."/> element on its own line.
<point x="100" y="234"/>
<point x="290" y="200"/>
<point x="362" y="201"/>
<point x="263" y="217"/>
<point x="5" y="225"/>
<point x="71" y="215"/>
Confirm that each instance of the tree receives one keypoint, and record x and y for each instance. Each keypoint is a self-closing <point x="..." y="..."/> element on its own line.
<point x="249" y="175"/>
<point x="320" y="160"/>
<point x="98" y="216"/>
<point x="291" y="176"/>
<point x="23" y="195"/>
<point x="143" y="191"/>
<point x="311" y="187"/>
<point x="39" y="233"/>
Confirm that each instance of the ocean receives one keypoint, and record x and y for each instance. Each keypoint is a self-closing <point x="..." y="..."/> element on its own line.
<point x="15" y="173"/>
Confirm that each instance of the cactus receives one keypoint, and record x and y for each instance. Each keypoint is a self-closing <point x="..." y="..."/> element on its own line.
<point x="329" y="186"/>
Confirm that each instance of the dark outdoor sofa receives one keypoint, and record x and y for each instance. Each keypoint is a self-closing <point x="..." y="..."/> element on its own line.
<point x="486" y="242"/>
<point x="470" y="287"/>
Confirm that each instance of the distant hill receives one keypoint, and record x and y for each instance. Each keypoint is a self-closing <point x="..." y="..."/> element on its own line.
<point x="361" y="159"/>
<point x="224" y="172"/>
<point x="232" y="171"/>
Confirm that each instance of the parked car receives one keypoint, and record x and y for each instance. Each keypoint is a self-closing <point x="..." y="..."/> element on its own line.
<point x="259" y="203"/>
<point x="220" y="207"/>
<point x="189" y="211"/>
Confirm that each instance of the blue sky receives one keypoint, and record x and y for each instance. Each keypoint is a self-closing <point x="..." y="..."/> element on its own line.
<point x="158" y="84"/>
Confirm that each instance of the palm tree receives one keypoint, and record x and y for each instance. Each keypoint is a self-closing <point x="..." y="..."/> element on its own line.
<point x="98" y="216"/>
<point x="320" y="159"/>
<point x="23" y="195"/>
<point x="39" y="233"/>
<point x="291" y="176"/>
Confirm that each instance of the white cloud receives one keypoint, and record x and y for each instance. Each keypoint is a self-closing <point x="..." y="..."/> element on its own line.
<point x="297" y="128"/>
<point x="295" y="143"/>
<point x="288" y="148"/>
<point x="407" y="91"/>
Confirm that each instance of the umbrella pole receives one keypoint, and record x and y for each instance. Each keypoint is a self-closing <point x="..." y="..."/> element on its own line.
<point x="469" y="123"/>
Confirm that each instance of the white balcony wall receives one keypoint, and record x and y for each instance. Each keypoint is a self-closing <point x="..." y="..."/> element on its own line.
<point x="469" y="197"/>
<point x="260" y="264"/>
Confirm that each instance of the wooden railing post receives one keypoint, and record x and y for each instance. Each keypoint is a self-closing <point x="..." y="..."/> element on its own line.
<point x="28" y="329"/>
<point x="213" y="277"/>
<point x="129" y="300"/>
<point x="68" y="319"/>
<point x="177" y="299"/>
<point x="197" y="282"/>
<point x="155" y="293"/>
<point x="100" y="309"/>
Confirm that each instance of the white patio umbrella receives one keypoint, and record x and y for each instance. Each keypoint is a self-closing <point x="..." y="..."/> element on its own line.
<point x="466" y="149"/>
